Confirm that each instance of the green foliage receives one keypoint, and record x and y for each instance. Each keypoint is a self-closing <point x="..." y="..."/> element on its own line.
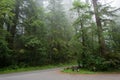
<point x="79" y="4"/>
<point x="6" y="11"/>
<point x="86" y="45"/>
<point x="34" y="51"/>
<point x="82" y="71"/>
<point x="34" y="35"/>
<point x="4" y="54"/>
<point x="97" y="63"/>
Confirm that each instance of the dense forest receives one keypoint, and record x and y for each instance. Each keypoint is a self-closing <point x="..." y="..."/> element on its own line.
<point x="38" y="32"/>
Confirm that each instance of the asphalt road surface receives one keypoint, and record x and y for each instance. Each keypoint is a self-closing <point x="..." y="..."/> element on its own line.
<point x="56" y="74"/>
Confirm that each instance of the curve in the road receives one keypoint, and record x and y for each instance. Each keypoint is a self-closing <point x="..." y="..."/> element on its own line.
<point x="55" y="74"/>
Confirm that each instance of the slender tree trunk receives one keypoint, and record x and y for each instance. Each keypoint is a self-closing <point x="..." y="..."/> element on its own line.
<point x="83" y="35"/>
<point x="13" y="27"/>
<point x="82" y="29"/>
<point x="100" y="30"/>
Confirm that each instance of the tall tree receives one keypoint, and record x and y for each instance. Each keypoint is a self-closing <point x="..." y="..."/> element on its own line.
<point x="12" y="30"/>
<point x="82" y="26"/>
<point x="59" y="30"/>
<point x="100" y="29"/>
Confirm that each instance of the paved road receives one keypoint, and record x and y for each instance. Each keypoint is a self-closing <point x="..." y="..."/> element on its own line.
<point x="55" y="74"/>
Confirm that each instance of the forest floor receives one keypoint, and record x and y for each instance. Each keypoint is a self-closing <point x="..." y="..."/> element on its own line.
<point x="56" y="74"/>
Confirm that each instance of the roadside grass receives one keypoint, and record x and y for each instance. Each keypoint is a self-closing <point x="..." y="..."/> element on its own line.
<point x="10" y="70"/>
<point x="85" y="71"/>
<point x="81" y="71"/>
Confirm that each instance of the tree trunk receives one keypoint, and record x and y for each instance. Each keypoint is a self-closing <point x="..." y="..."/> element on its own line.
<point x="13" y="27"/>
<point x="100" y="30"/>
<point x="83" y="35"/>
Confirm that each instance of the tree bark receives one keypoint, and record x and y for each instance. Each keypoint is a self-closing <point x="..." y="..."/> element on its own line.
<point x="100" y="30"/>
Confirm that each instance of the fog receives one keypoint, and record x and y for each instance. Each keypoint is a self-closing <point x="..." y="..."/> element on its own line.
<point x="116" y="3"/>
<point x="68" y="3"/>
